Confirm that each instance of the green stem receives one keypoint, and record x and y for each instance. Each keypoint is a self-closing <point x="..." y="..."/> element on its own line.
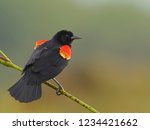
<point x="3" y="54"/>
<point x="7" y="62"/>
<point x="85" y="105"/>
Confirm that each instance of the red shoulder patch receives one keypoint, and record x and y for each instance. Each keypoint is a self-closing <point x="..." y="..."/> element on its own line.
<point x="65" y="52"/>
<point x="39" y="43"/>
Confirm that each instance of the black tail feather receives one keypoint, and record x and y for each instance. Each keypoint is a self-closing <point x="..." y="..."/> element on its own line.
<point x="27" y="89"/>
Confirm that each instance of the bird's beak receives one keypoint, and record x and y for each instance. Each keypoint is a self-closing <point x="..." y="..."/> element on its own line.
<point x="75" y="37"/>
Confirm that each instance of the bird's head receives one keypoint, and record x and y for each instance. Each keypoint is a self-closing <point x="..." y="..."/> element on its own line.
<point x="65" y="37"/>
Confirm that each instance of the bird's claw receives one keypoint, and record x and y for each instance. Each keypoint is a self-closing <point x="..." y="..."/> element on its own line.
<point x="59" y="91"/>
<point x="60" y="87"/>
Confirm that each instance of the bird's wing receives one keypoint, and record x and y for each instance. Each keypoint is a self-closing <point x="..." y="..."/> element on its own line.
<point x="39" y="43"/>
<point x="35" y="56"/>
<point x="49" y="64"/>
<point x="48" y="58"/>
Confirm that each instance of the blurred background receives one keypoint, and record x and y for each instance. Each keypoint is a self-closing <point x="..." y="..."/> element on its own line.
<point x="110" y="67"/>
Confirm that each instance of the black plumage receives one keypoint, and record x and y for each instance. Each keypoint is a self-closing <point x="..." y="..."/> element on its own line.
<point x="44" y="64"/>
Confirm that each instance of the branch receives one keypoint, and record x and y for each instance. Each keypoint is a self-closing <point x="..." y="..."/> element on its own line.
<point x="7" y="62"/>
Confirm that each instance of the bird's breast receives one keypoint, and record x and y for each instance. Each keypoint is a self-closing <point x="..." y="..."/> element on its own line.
<point x="65" y="52"/>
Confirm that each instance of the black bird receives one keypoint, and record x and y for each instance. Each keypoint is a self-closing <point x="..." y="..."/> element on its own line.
<point x="46" y="62"/>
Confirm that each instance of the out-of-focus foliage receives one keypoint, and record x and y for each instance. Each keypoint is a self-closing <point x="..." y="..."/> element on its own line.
<point x="110" y="68"/>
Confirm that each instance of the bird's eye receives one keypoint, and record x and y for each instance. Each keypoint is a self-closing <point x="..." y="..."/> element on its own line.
<point x="67" y="35"/>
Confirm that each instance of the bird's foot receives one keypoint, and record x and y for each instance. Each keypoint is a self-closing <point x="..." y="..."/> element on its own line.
<point x="59" y="90"/>
<point x="60" y="87"/>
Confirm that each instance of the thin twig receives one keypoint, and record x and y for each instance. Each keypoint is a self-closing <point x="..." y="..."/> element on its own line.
<point x="6" y="57"/>
<point x="7" y="62"/>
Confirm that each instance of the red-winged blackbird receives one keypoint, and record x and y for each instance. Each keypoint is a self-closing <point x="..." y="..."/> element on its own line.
<point x="47" y="61"/>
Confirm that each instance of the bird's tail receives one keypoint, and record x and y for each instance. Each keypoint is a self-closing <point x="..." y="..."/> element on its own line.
<point x="27" y="89"/>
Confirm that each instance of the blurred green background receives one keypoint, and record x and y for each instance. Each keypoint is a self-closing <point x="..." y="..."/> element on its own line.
<point x="110" y="67"/>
